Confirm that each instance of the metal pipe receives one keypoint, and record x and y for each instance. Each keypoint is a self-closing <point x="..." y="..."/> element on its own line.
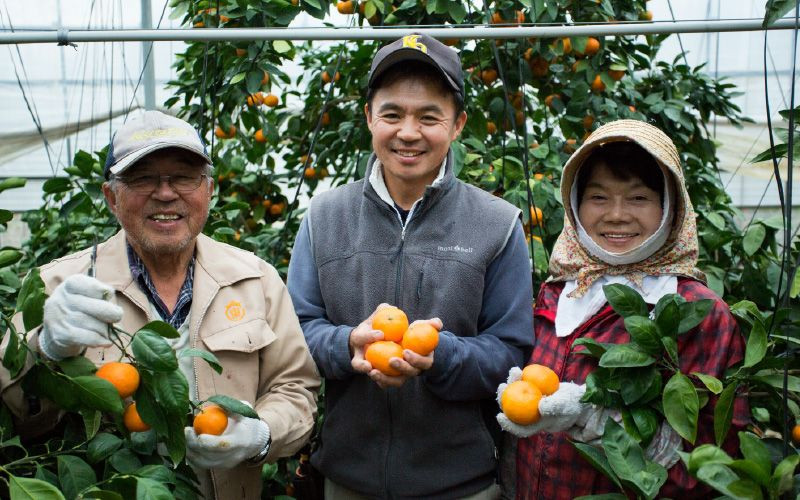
<point x="148" y="72"/>
<point x="64" y="36"/>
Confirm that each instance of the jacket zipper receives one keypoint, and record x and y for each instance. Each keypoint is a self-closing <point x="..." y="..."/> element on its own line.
<point x="398" y="277"/>
<point x="196" y="394"/>
<point x="399" y="256"/>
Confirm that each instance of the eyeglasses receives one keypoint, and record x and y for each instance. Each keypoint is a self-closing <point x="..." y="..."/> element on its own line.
<point x="146" y="184"/>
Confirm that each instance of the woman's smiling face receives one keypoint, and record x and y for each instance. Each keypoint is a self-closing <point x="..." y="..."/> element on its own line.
<point x="619" y="215"/>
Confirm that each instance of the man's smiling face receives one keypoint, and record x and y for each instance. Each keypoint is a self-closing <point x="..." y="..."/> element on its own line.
<point x="413" y="121"/>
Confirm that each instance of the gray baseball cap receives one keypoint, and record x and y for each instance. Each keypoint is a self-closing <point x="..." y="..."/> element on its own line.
<point x="151" y="131"/>
<point x="420" y="48"/>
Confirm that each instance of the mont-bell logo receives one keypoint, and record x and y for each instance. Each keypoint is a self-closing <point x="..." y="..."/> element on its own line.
<point x="412" y="42"/>
<point x="455" y="248"/>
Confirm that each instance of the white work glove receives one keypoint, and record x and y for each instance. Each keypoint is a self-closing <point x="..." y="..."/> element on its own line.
<point x="558" y="412"/>
<point x="663" y="448"/>
<point x="77" y="316"/>
<point x="244" y="438"/>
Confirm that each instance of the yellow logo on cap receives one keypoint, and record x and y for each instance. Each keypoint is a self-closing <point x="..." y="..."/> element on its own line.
<point x="145" y="135"/>
<point x="412" y="42"/>
<point x="234" y="311"/>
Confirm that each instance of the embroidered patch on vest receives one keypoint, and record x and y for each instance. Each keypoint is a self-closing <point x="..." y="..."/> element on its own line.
<point x="234" y="311"/>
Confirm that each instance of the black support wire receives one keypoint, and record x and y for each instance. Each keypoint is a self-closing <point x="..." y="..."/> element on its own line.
<point x="782" y="297"/>
<point x="30" y="104"/>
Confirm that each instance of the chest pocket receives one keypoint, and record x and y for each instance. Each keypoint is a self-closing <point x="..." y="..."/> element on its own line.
<point x="246" y="337"/>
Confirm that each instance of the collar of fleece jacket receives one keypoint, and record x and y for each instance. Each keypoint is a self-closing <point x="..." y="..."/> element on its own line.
<point x="570" y="260"/>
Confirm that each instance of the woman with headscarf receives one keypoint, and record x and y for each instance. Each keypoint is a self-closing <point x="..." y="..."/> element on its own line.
<point x="628" y="220"/>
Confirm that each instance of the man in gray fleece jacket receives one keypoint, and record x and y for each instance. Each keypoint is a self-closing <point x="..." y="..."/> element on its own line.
<point x="412" y="235"/>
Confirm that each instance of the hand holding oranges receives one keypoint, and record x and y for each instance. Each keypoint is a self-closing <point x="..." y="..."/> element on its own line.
<point x="395" y="340"/>
<point x="534" y="400"/>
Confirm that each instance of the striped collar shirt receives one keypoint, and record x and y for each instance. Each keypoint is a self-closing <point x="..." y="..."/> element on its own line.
<point x="142" y="277"/>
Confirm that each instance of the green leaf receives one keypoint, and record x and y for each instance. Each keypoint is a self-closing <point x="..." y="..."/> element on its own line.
<point x="102" y="495"/>
<point x="681" y="406"/>
<point x="755" y="450"/>
<point x="23" y="488"/>
<point x="776" y="380"/>
<point x="125" y="461"/>
<point x="370" y="9"/>
<point x="668" y="319"/>
<point x="595" y="456"/>
<point x="175" y="440"/>
<point x="776" y="9"/>
<point x="206" y="355"/>
<point x="712" y="383"/>
<point x="716" y="219"/>
<point x="77" y="366"/>
<point x="234" y="405"/>
<point x="753" y="238"/>
<point x="12" y="183"/>
<point x="644" y="332"/>
<point x="717" y="476"/>
<point x="46" y="475"/>
<point x="624" y="454"/>
<point x="56" y="185"/>
<point x="692" y="313"/>
<point x="639" y="382"/>
<point x="782" y="477"/>
<point x="153" y="352"/>
<point x="40" y="380"/>
<point x="161" y="328"/>
<point x="794" y="291"/>
<point x="749" y="469"/>
<point x="650" y="480"/>
<point x="457" y="12"/>
<point x="147" y="405"/>
<point x="102" y="446"/>
<point x="74" y="475"/>
<point x="91" y="422"/>
<point x="671" y="347"/>
<point x="9" y="256"/>
<point x="592" y="347"/>
<point x="31" y="285"/>
<point x="5" y="215"/>
<point x="33" y="311"/>
<point x="625" y="356"/>
<point x="625" y="300"/>
<point x="157" y="472"/>
<point x="756" y="345"/>
<point x="646" y="421"/>
<point x="97" y="394"/>
<point x="238" y="77"/>
<point x="144" y="443"/>
<point x="723" y="413"/>
<point x="149" y="489"/>
<point x="15" y="355"/>
<point x="281" y="46"/>
<point x="745" y="488"/>
<point x="253" y="82"/>
<point x="172" y="391"/>
<point x="706" y="454"/>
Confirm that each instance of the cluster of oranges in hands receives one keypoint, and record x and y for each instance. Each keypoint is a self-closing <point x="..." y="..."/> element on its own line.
<point x="125" y="379"/>
<point x="422" y="338"/>
<point x="520" y="399"/>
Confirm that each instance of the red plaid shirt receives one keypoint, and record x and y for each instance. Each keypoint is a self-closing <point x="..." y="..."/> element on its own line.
<point x="548" y="466"/>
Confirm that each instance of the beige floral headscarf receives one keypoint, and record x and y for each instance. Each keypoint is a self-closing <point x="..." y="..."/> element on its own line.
<point x="678" y="256"/>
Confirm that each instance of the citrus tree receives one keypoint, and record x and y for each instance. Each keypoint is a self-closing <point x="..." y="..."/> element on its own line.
<point x="277" y="138"/>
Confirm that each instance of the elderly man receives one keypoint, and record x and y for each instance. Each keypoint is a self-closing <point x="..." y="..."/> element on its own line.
<point x="218" y="297"/>
<point x="412" y="235"/>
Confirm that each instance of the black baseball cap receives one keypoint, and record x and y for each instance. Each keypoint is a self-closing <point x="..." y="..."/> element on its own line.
<point x="423" y="48"/>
